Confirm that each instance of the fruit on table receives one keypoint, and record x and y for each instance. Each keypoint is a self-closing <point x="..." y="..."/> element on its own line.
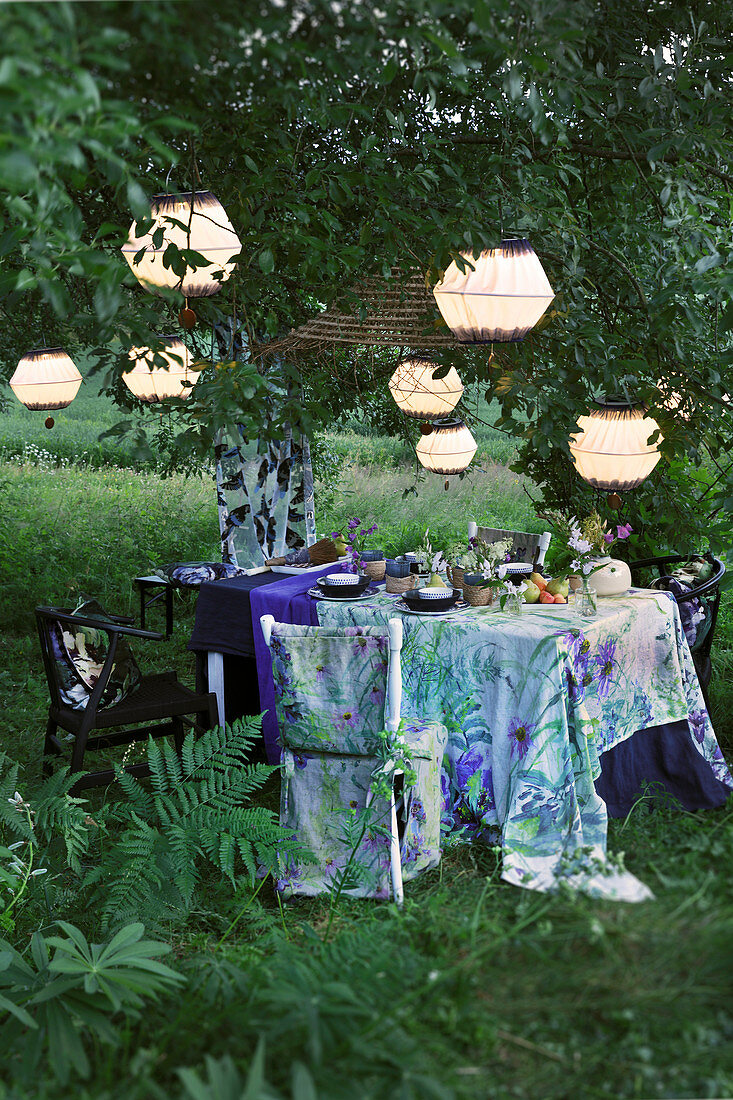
<point x="558" y="586"/>
<point x="539" y="580"/>
<point x="560" y="599"/>
<point x="340" y="544"/>
<point x="436" y="581"/>
<point x="545" y="597"/>
<point x="531" y="593"/>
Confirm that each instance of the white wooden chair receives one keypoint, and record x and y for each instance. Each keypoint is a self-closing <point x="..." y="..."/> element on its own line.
<point x="529" y="547"/>
<point x="332" y="749"/>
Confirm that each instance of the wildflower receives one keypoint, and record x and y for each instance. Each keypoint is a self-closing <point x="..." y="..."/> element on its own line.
<point x="349" y="719"/>
<point x="320" y="673"/>
<point x="39" y="871"/>
<point x="520" y="733"/>
<point x="605" y="659"/>
<point x="624" y="530"/>
<point x="608" y="537"/>
<point x="15" y="844"/>
<point x="17" y="802"/>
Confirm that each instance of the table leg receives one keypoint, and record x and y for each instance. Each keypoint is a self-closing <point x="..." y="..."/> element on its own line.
<point x="216" y="682"/>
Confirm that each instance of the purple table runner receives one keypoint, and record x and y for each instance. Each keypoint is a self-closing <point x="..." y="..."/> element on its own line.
<point x="288" y="602"/>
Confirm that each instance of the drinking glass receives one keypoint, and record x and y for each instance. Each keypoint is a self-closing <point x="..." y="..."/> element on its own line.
<point x="586" y="601"/>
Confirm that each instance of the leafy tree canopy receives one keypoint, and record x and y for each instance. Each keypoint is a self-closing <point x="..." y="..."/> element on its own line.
<point x="347" y="139"/>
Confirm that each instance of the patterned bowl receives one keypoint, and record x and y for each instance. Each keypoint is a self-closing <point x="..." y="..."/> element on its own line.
<point x="433" y="593"/>
<point x="338" y="578"/>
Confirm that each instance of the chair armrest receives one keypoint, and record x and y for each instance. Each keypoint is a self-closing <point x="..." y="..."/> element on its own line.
<point x="111" y="627"/>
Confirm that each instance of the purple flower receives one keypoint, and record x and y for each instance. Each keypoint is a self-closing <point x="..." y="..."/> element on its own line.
<point x="697" y="724"/>
<point x="320" y="673"/>
<point x="353" y="524"/>
<point x="624" y="530"/>
<point x="466" y="764"/>
<point x="348" y="720"/>
<point x="606" y="660"/>
<point x="520" y="734"/>
<point x="609" y="536"/>
<point x="375" y="842"/>
<point x="417" y="810"/>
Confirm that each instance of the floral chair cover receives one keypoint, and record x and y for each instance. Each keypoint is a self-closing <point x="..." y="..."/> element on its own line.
<point x="330" y="687"/>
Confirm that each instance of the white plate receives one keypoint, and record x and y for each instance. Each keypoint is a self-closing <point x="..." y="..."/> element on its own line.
<point x="294" y="569"/>
<point x="317" y="594"/>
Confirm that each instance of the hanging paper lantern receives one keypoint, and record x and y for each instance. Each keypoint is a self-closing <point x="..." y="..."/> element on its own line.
<point x="197" y="222"/>
<point x="612" y="451"/>
<point x="448" y="449"/>
<point x="500" y="300"/>
<point x="150" y="382"/>
<point x="46" y="379"/>
<point x="420" y="395"/>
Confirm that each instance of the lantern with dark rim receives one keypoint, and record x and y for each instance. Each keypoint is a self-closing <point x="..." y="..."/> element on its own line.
<point x="612" y="451"/>
<point x="448" y="448"/>
<point x="191" y="220"/>
<point x="500" y="296"/>
<point x="150" y="381"/>
<point x="421" y="396"/>
<point x="46" y="378"/>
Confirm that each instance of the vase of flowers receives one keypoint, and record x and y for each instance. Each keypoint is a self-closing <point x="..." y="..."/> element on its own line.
<point x="479" y="563"/>
<point x="359" y="559"/>
<point x="582" y="549"/>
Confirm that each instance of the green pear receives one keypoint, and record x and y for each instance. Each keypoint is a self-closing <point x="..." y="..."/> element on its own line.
<point x="531" y="593"/>
<point x="435" y="581"/>
<point x="558" y="586"/>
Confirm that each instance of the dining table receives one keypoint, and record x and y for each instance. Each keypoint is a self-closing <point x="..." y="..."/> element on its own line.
<point x="554" y="720"/>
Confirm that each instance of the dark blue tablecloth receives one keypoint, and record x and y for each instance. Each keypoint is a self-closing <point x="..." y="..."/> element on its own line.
<point x="665" y="757"/>
<point x="223" y="620"/>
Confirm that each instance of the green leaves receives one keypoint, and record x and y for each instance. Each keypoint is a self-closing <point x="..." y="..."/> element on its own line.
<point x="74" y="994"/>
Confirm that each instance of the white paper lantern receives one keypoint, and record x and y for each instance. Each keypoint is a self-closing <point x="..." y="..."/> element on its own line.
<point x="500" y="300"/>
<point x="200" y="225"/>
<point x="46" y="379"/>
<point x="448" y="449"/>
<point x="612" y="449"/>
<point x="421" y="396"/>
<point x="150" y="382"/>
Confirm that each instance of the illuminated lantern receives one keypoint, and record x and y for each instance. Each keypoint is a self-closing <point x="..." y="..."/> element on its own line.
<point x="420" y="395"/>
<point x="195" y="222"/>
<point x="500" y="300"/>
<point x="150" y="382"/>
<point x="448" y="448"/>
<point x="46" y="379"/>
<point x="612" y="449"/>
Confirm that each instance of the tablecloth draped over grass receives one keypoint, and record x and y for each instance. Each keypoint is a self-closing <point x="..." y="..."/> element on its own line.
<point x="530" y="703"/>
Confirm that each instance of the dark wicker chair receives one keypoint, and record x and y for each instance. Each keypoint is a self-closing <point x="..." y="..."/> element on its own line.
<point x="157" y="697"/>
<point x="708" y="593"/>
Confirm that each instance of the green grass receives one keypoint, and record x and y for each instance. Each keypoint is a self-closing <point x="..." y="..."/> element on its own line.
<point x="481" y="989"/>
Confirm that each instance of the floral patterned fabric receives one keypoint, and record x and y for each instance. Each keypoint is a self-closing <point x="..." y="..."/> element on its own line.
<point x="530" y="703"/>
<point x="79" y="654"/>
<point x="264" y="495"/>
<point x="330" y="699"/>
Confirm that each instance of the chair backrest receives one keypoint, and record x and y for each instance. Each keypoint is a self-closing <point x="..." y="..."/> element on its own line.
<point x="336" y="689"/>
<point x="84" y="660"/>
<point x="525" y="546"/>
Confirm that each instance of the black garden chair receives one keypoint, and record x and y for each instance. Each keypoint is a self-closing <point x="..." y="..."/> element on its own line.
<point x="707" y="593"/>
<point x="158" y="698"/>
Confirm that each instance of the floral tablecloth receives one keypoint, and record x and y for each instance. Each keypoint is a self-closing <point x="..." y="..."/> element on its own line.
<point x="530" y="702"/>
